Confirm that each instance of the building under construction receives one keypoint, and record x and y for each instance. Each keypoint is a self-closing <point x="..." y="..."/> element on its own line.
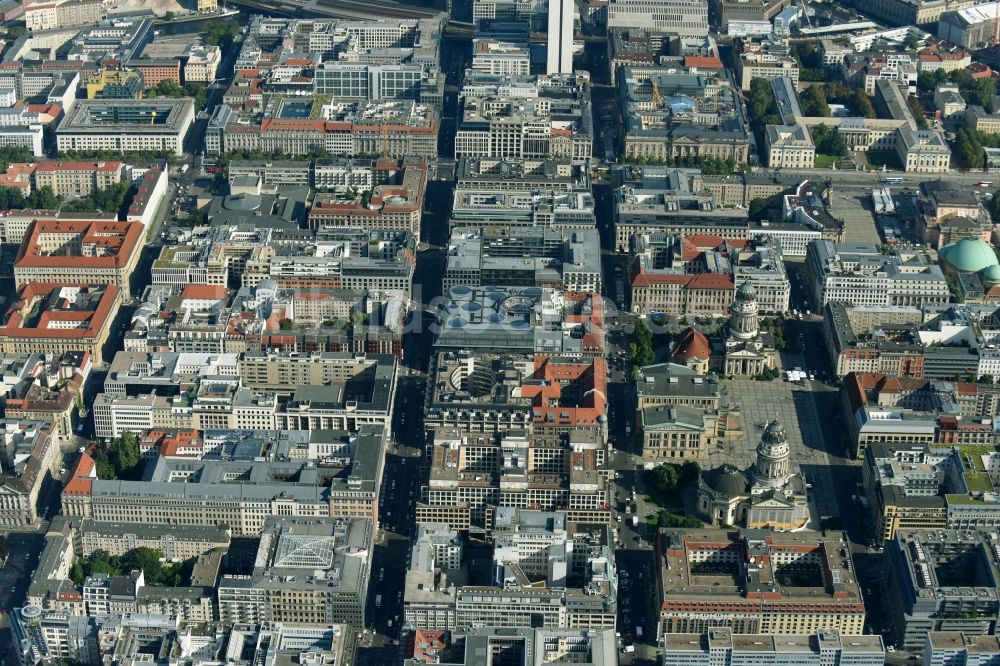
<point x="972" y="27"/>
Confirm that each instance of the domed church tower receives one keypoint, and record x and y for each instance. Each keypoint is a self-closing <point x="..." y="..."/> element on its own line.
<point x="771" y="470"/>
<point x="744" y="324"/>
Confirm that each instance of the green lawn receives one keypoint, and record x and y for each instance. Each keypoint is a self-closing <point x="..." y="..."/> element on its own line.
<point x="978" y="483"/>
<point x="975" y="452"/>
<point x="824" y="161"/>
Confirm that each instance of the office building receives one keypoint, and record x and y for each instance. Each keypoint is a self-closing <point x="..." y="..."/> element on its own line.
<point x="524" y="256"/>
<point x="469" y="483"/>
<point x="237" y="493"/>
<point x="148" y="125"/>
<point x="396" y="203"/>
<point x="288" y="642"/>
<point x="687" y="18"/>
<point x="491" y="56"/>
<point x="546" y="572"/>
<point x="969" y="27"/>
<point x="528" y="117"/>
<point x="52" y="636"/>
<point x="748" y="649"/>
<point x="926" y="486"/>
<point x="56" y="318"/>
<point x="517" y="647"/>
<point x="862" y="275"/>
<point x="559" y="49"/>
<point x="961" y="649"/>
<point x="523" y="320"/>
<point x="941" y="580"/>
<point x="722" y="578"/>
<point x="29" y="456"/>
<point x="313" y="571"/>
<point x="85" y="253"/>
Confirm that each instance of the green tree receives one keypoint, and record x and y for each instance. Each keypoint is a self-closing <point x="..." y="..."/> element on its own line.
<point x="814" y="102"/>
<point x="641" y="344"/>
<point x="197" y="218"/>
<point x="104" y="467"/>
<point x="994" y="206"/>
<point x="223" y="34"/>
<point x="43" y="198"/>
<point x="148" y="560"/>
<point x="968" y="150"/>
<point x="761" y="105"/>
<point x="11" y="198"/>
<point x="917" y="109"/>
<point x="690" y="472"/>
<point x="667" y="476"/>
<point x="829" y="141"/>
<point x="758" y="209"/>
<point x="667" y="519"/>
<point x="125" y="456"/>
<point x="862" y="104"/>
<point x="911" y="42"/>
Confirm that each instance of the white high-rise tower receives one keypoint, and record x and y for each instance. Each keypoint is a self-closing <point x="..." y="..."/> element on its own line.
<point x="560" y="45"/>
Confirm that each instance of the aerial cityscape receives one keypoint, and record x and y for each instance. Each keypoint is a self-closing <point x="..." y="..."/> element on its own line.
<point x="499" y="332"/>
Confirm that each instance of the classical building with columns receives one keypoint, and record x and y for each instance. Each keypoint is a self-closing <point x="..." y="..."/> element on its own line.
<point x="747" y="351"/>
<point x="766" y="495"/>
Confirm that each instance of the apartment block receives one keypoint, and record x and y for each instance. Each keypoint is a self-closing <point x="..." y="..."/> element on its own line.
<point x="763" y="59"/>
<point x="65" y="179"/>
<point x="177" y="542"/>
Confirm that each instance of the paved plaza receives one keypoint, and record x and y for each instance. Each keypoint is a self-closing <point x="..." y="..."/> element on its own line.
<point x="794" y="406"/>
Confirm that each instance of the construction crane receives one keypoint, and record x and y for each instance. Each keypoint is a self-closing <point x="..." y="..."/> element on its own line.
<point x="384" y="132"/>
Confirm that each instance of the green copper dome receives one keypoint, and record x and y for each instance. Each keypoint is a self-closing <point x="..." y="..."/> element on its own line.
<point x="969" y="255"/>
<point x="991" y="274"/>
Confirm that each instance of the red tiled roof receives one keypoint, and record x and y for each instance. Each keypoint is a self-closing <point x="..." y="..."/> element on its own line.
<point x="119" y="241"/>
<point x="692" y="343"/>
<point x="81" y="479"/>
<point x="205" y="291"/>
<point x="706" y="62"/>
